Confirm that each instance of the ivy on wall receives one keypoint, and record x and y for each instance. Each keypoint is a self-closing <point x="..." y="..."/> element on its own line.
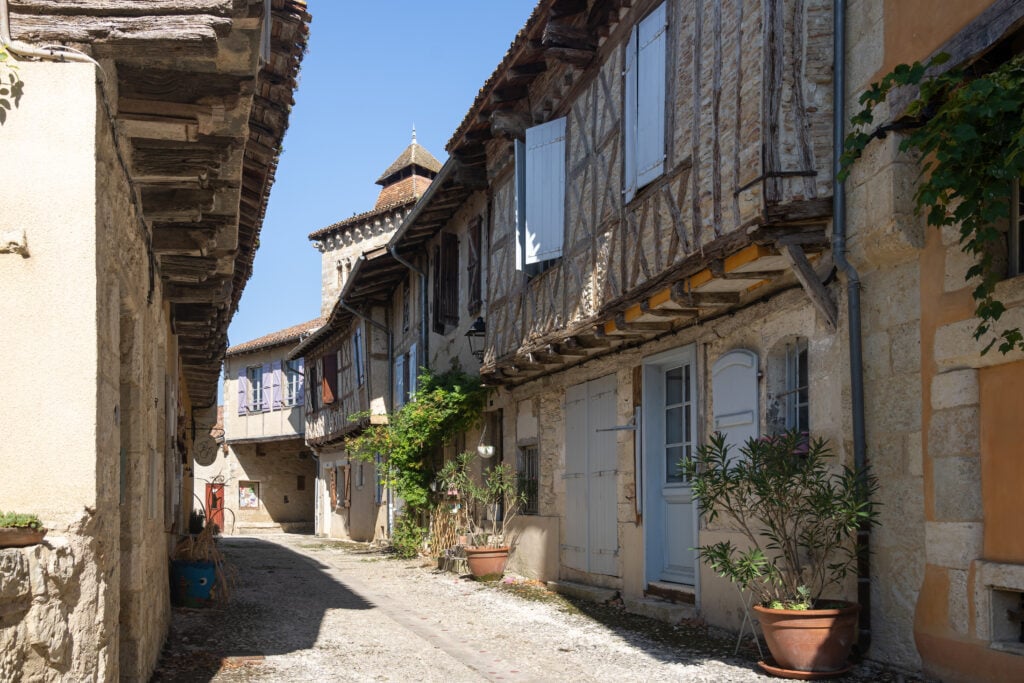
<point x="443" y="407"/>
<point x="968" y="130"/>
<point x="11" y="85"/>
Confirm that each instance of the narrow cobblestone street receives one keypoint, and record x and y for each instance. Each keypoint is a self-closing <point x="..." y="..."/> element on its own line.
<point x="309" y="610"/>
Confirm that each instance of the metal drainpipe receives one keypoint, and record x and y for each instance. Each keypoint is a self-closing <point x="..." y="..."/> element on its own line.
<point x="854" y="315"/>
<point x="391" y="370"/>
<point x="424" y="302"/>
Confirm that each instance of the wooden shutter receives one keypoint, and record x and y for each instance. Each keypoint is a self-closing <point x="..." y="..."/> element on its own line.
<point x="438" y="322"/>
<point x="651" y="52"/>
<point x="629" y="120"/>
<point x="520" y="187"/>
<point x="400" y="381"/>
<point x="734" y="392"/>
<point x="575" y="547"/>
<point x="301" y="393"/>
<point x="333" y="479"/>
<point x="602" y="472"/>
<point x="277" y="401"/>
<point x="242" y="393"/>
<point x="545" y="191"/>
<point x="357" y="355"/>
<point x="329" y="380"/>
<point x="413" y="365"/>
<point x="449" y="279"/>
<point x="475" y="294"/>
<point x="347" y="473"/>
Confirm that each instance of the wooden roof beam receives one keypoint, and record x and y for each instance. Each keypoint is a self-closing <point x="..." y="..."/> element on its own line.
<point x="688" y="299"/>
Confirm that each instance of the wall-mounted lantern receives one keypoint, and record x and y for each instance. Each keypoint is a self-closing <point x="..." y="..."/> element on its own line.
<point x="475" y="335"/>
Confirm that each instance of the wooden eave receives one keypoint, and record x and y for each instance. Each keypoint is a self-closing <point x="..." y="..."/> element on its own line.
<point x="734" y="272"/>
<point x="453" y="185"/>
<point x="199" y="123"/>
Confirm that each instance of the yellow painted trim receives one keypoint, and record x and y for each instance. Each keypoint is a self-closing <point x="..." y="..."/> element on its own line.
<point x="754" y="286"/>
<point x="609" y="327"/>
<point x="632" y="313"/>
<point x="744" y="256"/>
<point x="662" y="297"/>
<point x="703" y="277"/>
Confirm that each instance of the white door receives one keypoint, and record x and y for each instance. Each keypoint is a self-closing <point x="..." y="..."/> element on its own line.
<point x="735" y="396"/>
<point x="670" y="436"/>
<point x="591" y="541"/>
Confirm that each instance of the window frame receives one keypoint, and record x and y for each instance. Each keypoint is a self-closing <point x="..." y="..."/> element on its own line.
<point x="292" y="377"/>
<point x="636" y="138"/>
<point x="540" y="164"/>
<point x="797" y="394"/>
<point x="254" y="395"/>
<point x="528" y="476"/>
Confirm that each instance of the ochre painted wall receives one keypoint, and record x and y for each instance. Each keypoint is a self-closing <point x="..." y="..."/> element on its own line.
<point x="1002" y="467"/>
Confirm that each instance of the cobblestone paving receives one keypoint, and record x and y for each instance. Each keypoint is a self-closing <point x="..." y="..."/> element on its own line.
<point x="309" y="610"/>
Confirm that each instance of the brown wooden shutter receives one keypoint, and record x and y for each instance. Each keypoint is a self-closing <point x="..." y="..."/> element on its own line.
<point x="438" y="323"/>
<point x="475" y="294"/>
<point x="347" y="472"/>
<point x="330" y="378"/>
<point x="333" y="479"/>
<point x="449" y="279"/>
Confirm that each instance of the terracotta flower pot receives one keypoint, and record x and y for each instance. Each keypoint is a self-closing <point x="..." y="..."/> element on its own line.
<point x="487" y="564"/>
<point x="814" y="640"/>
<point x="19" y="537"/>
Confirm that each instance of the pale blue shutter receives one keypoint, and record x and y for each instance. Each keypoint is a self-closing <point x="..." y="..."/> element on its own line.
<point x="545" y="191"/>
<point x="651" y="50"/>
<point x="576" y="544"/>
<point x="520" y="187"/>
<point x="241" y="391"/>
<point x="399" y="381"/>
<point x="734" y="392"/>
<point x="301" y="393"/>
<point x="602" y="466"/>
<point x="275" y="385"/>
<point x="265" y="377"/>
<point x="629" y="120"/>
<point x="413" y="369"/>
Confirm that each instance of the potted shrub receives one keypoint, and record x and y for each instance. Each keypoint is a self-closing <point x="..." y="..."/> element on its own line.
<point x="800" y="519"/>
<point x="18" y="530"/>
<point x="488" y="544"/>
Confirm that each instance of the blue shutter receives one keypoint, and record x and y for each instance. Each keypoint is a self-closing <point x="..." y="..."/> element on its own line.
<point x="734" y="392"/>
<point x="629" y="120"/>
<point x="275" y="386"/>
<point x="399" y="382"/>
<point x="413" y="368"/>
<point x="520" y="158"/>
<point x="301" y="393"/>
<point x="545" y="191"/>
<point x="241" y="391"/>
<point x="651" y="50"/>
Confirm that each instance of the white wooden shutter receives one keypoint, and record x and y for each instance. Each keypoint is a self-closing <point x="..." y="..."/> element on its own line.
<point x="414" y="366"/>
<point x="735" y="394"/>
<point x="545" y="191"/>
<point x="574" y="547"/>
<point x="520" y="187"/>
<point x="602" y="462"/>
<point x="651" y="51"/>
<point x="399" y="381"/>
<point x="629" y="120"/>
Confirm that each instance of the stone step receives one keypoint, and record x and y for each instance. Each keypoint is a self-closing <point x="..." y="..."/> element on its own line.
<point x="583" y="591"/>
<point x="673" y="592"/>
<point x="662" y="610"/>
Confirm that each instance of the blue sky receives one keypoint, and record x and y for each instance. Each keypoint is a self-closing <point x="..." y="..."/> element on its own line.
<point x="373" y="69"/>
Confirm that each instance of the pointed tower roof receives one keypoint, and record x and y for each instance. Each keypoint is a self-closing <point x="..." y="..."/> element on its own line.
<point x="408" y="176"/>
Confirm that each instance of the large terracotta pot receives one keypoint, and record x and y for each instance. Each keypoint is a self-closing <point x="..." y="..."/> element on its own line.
<point x="19" y="537"/>
<point x="487" y="564"/>
<point x="814" y="640"/>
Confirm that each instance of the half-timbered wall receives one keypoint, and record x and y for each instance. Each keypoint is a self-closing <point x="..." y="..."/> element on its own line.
<point x="748" y="115"/>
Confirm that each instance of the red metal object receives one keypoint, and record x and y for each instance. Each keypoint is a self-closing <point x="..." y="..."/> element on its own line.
<point x="215" y="505"/>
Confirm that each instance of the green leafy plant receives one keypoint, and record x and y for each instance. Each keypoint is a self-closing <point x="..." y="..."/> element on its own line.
<point x="443" y="406"/>
<point x="407" y="537"/>
<point x="968" y="130"/>
<point x="498" y="493"/>
<point x="799" y="517"/>
<point x="11" y="86"/>
<point x="16" y="520"/>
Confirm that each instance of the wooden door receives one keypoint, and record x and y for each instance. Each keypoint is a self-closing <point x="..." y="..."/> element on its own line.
<point x="215" y="505"/>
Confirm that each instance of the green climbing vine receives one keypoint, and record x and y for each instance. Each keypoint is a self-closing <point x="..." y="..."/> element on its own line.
<point x="11" y="85"/>
<point x="443" y="406"/>
<point x="968" y="130"/>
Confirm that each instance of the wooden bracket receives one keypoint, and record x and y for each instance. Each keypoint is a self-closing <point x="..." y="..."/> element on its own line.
<point x="812" y="284"/>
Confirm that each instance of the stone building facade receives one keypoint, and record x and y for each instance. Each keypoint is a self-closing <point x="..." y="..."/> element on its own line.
<point x="127" y="241"/>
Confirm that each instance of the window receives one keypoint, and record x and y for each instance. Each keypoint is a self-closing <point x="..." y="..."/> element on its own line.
<point x="795" y="398"/>
<point x="357" y="356"/>
<point x="529" y="478"/>
<point x="293" y="382"/>
<point x="329" y="379"/>
<point x="1015" y="243"/>
<point x="540" y="195"/>
<point x="249" y="495"/>
<point x="403" y="377"/>
<point x="679" y="428"/>
<point x="300" y="482"/>
<point x="475" y="293"/>
<point x="315" y="395"/>
<point x="254" y="375"/>
<point x="446" y="283"/>
<point x="644" y="109"/>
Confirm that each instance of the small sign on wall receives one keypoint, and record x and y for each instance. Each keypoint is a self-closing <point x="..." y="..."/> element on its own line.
<point x="249" y="495"/>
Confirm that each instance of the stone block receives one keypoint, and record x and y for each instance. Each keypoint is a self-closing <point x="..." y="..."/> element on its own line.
<point x="956" y="265"/>
<point x="959" y="613"/>
<point x="583" y="591"/>
<point x="48" y="631"/>
<point x="877" y="363"/>
<point x="662" y="610"/>
<point x="14" y="574"/>
<point x="953" y="544"/>
<point x="957" y="485"/>
<point x="955" y="388"/>
<point x="891" y="296"/>
<point x="953" y="432"/>
<point x="914" y="454"/>
<point x="895" y="404"/>
<point x="906" y="348"/>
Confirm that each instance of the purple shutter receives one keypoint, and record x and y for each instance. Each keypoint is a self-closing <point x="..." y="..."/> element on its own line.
<point x="267" y="374"/>
<point x="301" y="398"/>
<point x="241" y="391"/>
<point x="275" y="385"/>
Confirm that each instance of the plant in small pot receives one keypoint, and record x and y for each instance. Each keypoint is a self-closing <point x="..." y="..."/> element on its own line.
<point x="800" y="519"/>
<point x="18" y="530"/>
<point x="499" y="495"/>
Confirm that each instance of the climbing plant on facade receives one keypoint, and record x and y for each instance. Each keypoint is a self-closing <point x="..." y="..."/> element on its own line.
<point x="11" y="85"/>
<point x="443" y="406"/>
<point x="967" y="128"/>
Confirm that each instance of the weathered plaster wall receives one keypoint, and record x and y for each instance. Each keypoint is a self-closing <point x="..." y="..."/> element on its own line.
<point x="262" y="424"/>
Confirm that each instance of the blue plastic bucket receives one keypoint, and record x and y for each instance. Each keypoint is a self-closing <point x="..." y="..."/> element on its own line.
<point x="191" y="583"/>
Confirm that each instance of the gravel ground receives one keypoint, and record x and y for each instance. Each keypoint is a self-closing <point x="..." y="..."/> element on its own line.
<point x="309" y="610"/>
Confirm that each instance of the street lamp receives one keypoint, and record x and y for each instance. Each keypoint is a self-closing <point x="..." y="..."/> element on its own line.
<point x="475" y="335"/>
